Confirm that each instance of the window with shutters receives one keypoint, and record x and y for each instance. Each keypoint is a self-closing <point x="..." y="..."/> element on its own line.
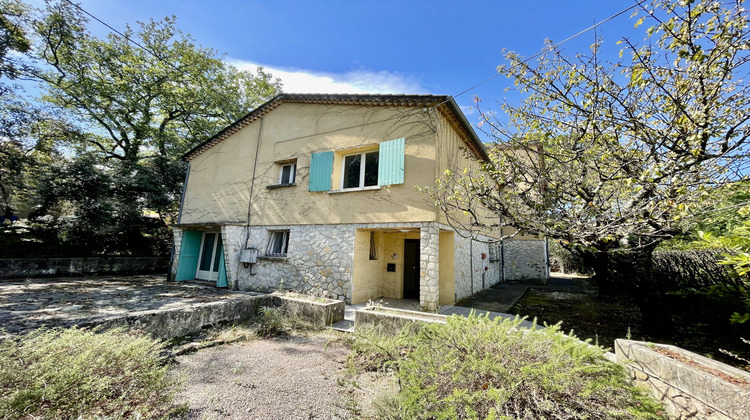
<point x="359" y="170"/>
<point x="368" y="167"/>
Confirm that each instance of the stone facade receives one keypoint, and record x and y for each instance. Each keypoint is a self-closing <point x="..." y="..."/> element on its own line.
<point x="320" y="260"/>
<point x="525" y="260"/>
<point x="429" y="275"/>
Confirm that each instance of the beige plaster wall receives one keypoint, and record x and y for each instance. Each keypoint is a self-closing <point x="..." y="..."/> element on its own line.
<point x="447" y="269"/>
<point x="220" y="179"/>
<point x="370" y="278"/>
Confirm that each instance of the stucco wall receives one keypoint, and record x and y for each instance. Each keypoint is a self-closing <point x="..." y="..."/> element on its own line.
<point x="220" y="179"/>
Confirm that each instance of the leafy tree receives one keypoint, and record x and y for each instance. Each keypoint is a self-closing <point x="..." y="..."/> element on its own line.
<point x="140" y="100"/>
<point x="13" y="15"/>
<point x="613" y="158"/>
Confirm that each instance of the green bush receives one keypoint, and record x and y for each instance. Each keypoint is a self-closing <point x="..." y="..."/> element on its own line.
<point x="74" y="373"/>
<point x="476" y="368"/>
<point x="271" y="322"/>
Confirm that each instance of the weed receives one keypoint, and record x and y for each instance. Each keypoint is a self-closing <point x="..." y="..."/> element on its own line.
<point x="64" y="374"/>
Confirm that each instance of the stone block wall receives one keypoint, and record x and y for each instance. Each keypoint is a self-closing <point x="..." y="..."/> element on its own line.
<point x="429" y="274"/>
<point x="525" y="260"/>
<point x="319" y="260"/>
<point x="14" y="268"/>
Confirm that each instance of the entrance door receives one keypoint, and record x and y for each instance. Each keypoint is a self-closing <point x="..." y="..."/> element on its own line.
<point x="411" y="269"/>
<point x="210" y="257"/>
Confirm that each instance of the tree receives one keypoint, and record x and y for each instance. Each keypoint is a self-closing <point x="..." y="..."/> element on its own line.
<point x="140" y="100"/>
<point x="13" y="15"/>
<point x="616" y="157"/>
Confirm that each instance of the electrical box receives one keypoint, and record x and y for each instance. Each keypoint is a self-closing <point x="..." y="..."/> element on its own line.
<point x="391" y="268"/>
<point x="249" y="256"/>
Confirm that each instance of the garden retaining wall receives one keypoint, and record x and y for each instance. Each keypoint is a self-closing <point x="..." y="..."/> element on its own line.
<point x="14" y="268"/>
<point x="686" y="391"/>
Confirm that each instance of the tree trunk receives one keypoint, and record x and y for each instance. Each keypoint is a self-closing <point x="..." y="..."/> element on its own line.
<point x="599" y="262"/>
<point x="634" y="269"/>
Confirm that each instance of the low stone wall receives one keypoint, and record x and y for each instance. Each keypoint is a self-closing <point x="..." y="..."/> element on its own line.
<point x="14" y="268"/>
<point x="178" y="322"/>
<point x="392" y="321"/>
<point x="686" y="391"/>
<point x="171" y="323"/>
<point x="319" y="312"/>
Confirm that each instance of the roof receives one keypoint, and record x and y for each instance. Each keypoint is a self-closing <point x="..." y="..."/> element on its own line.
<point x="444" y="104"/>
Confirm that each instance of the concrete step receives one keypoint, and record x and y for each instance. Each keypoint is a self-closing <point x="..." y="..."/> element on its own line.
<point x="345" y="326"/>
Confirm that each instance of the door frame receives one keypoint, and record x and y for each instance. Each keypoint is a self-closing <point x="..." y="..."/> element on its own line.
<point x="415" y="271"/>
<point x="216" y="249"/>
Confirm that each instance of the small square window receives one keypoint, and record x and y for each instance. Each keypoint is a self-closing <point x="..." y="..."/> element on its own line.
<point x="287" y="173"/>
<point x="278" y="242"/>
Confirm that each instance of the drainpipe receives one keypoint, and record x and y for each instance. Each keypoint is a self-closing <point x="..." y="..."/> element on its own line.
<point x="179" y="219"/>
<point x="471" y="264"/>
<point x="502" y="261"/>
<point x="236" y="282"/>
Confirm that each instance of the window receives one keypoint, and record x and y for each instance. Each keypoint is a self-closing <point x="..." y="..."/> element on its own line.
<point x="360" y="170"/>
<point x="373" y="246"/>
<point x="286" y="173"/>
<point x="278" y="243"/>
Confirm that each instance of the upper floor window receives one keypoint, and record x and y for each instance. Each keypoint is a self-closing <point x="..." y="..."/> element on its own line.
<point x="360" y="170"/>
<point x="287" y="173"/>
<point x="366" y="169"/>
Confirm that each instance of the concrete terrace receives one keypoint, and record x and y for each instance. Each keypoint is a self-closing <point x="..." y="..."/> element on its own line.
<point x="64" y="302"/>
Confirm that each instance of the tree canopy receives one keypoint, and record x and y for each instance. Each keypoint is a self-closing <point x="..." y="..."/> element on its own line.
<point x="617" y="155"/>
<point x="131" y="103"/>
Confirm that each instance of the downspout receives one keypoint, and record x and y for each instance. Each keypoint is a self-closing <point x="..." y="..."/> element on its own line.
<point x="502" y="260"/>
<point x="236" y="286"/>
<point x="471" y="265"/>
<point x="179" y="220"/>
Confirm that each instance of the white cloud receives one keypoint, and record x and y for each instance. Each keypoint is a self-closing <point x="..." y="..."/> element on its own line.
<point x="356" y="81"/>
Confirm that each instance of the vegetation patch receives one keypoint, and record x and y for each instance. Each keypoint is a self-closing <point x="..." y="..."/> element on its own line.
<point x="75" y="373"/>
<point x="480" y="368"/>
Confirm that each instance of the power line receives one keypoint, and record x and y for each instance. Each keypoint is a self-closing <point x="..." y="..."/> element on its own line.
<point x="557" y="44"/>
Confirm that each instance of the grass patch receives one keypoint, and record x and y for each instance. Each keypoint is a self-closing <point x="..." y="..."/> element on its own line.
<point x="477" y="368"/>
<point x="75" y="373"/>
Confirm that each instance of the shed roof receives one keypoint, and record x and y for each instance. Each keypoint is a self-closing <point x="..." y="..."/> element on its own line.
<point x="444" y="104"/>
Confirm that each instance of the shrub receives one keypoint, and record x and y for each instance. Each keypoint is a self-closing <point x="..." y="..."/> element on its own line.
<point x="479" y="368"/>
<point x="74" y="373"/>
<point x="272" y="322"/>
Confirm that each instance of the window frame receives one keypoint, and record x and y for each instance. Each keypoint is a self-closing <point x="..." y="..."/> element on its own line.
<point x="292" y="173"/>
<point x="362" y="170"/>
<point x="271" y="243"/>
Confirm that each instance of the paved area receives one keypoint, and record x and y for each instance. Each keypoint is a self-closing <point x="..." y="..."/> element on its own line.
<point x="63" y="302"/>
<point x="502" y="296"/>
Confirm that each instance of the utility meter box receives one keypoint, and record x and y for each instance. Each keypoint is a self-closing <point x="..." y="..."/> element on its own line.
<point x="249" y="256"/>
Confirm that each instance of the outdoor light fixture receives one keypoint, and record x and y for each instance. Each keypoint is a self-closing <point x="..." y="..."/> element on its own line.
<point x="395" y="256"/>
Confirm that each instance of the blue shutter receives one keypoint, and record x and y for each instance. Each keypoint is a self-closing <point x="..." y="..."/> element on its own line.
<point x="321" y="168"/>
<point x="391" y="162"/>
<point x="222" y="280"/>
<point x="189" y="250"/>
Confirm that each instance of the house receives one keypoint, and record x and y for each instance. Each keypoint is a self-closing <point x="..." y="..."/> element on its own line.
<point x="317" y="193"/>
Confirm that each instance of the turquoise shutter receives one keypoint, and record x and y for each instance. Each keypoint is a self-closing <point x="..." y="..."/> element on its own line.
<point x="391" y="162"/>
<point x="321" y="168"/>
<point x="222" y="280"/>
<point x="189" y="250"/>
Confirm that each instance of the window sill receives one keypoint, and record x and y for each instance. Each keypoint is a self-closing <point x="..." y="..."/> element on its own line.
<point x="373" y="188"/>
<point x="272" y="257"/>
<point x="272" y="187"/>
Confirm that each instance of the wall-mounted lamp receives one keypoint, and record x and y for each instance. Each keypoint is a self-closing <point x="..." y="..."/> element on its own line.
<point x="395" y="256"/>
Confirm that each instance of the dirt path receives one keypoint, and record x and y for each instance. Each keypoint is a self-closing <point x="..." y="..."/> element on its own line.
<point x="292" y="378"/>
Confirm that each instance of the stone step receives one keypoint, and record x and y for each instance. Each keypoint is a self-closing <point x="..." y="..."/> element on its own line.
<point x="345" y="326"/>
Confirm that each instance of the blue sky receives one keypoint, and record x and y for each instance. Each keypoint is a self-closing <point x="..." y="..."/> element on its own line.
<point x="435" y="47"/>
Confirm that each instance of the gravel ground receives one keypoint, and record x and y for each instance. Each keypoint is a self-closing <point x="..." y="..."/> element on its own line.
<point x="297" y="377"/>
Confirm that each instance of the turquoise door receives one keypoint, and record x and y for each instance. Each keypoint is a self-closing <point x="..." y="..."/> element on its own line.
<point x="189" y="252"/>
